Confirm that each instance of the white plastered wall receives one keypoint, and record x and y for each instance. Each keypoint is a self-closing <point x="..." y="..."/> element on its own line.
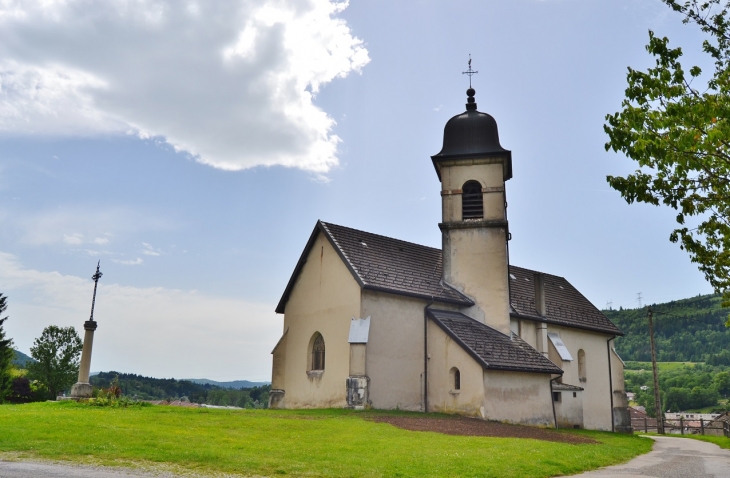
<point x="395" y="349"/>
<point x="324" y="299"/>
<point x="597" y="413"/>
<point x="518" y="397"/>
<point x="444" y="354"/>
<point x="569" y="410"/>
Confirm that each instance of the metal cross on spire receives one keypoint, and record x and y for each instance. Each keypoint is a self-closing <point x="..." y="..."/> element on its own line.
<point x="96" y="278"/>
<point x="469" y="72"/>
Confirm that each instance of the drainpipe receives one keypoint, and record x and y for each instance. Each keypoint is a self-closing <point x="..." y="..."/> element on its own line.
<point x="552" y="401"/>
<point x="425" y="356"/>
<point x="541" y="308"/>
<point x="610" y="379"/>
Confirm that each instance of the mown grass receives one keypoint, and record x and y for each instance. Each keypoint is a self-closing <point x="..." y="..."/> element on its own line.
<point x="722" y="442"/>
<point x="661" y="366"/>
<point x="274" y="442"/>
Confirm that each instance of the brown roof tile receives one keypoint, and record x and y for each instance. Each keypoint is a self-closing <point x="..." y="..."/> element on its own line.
<point x="564" y="304"/>
<point x="493" y="349"/>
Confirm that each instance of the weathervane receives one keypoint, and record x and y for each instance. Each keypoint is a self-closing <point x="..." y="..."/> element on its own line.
<point x="96" y="278"/>
<point x="469" y="72"/>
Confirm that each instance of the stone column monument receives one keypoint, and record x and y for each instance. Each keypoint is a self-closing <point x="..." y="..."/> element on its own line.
<point x="82" y="388"/>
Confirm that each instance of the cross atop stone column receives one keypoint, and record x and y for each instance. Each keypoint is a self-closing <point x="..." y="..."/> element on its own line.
<point x="82" y="388"/>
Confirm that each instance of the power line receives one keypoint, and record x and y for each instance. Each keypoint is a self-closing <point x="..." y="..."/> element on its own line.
<point x="685" y="318"/>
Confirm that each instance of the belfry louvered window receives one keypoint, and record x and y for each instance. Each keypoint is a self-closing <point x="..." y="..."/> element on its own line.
<point x="318" y="353"/>
<point x="472" y="205"/>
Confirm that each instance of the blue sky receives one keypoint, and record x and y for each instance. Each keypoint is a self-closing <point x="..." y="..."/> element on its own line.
<point x="191" y="148"/>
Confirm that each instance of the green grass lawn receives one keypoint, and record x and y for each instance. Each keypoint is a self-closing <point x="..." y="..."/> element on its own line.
<point x="722" y="442"/>
<point x="272" y="442"/>
<point x="661" y="366"/>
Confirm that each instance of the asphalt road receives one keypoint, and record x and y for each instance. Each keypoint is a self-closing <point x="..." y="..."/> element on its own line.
<point x="671" y="458"/>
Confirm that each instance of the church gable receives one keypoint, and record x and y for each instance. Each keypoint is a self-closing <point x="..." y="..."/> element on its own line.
<point x="390" y="265"/>
<point x="383" y="264"/>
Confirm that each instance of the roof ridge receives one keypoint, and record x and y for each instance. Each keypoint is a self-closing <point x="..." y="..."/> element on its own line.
<point x="341" y="250"/>
<point x="435" y="249"/>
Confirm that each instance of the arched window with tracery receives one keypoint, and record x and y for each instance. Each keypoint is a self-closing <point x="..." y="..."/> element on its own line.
<point x="317" y="352"/>
<point x="582" y="365"/>
<point x="472" y="204"/>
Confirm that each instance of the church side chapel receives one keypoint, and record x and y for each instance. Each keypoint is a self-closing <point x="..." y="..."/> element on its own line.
<point x="372" y="321"/>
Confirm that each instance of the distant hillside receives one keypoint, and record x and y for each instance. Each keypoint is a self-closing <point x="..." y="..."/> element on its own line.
<point x="235" y="384"/>
<point x="688" y="330"/>
<point x="20" y="359"/>
<point x="149" y="388"/>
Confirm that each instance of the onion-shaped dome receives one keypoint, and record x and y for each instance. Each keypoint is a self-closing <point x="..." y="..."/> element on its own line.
<point x="472" y="134"/>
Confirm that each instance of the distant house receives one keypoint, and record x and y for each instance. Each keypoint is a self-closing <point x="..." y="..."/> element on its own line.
<point x="690" y="416"/>
<point x="719" y="425"/>
<point x="373" y="321"/>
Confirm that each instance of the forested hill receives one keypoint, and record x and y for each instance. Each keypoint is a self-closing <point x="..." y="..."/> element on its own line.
<point x="148" y="388"/>
<point x="688" y="330"/>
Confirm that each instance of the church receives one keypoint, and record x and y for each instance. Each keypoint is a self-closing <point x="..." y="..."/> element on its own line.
<point x="373" y="321"/>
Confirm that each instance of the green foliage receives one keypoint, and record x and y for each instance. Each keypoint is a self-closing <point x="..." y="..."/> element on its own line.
<point x="722" y="383"/>
<point x="121" y="402"/>
<point x="21" y="360"/>
<point x="56" y="353"/>
<point x="6" y="354"/>
<point x="679" y="134"/>
<point x="689" y="330"/>
<point x="684" y="387"/>
<point x="112" y="397"/>
<point x="328" y="443"/>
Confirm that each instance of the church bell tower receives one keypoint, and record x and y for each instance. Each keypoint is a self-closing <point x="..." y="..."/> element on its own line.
<point x="473" y="169"/>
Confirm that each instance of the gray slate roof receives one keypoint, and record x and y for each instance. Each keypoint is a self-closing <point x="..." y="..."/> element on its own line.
<point x="385" y="264"/>
<point x="564" y="304"/>
<point x="566" y="387"/>
<point x="399" y="267"/>
<point x="491" y="348"/>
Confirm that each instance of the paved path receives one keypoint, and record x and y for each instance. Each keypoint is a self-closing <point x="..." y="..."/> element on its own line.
<point x="673" y="458"/>
<point x="24" y="469"/>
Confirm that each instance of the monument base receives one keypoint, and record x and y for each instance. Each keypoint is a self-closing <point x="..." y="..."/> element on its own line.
<point x="81" y="390"/>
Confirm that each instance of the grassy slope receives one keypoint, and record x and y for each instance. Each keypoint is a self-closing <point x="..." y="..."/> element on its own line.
<point x="268" y="442"/>
<point x="636" y="367"/>
<point x="722" y="442"/>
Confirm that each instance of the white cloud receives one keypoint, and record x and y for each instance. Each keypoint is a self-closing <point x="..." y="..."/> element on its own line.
<point x="153" y="331"/>
<point x="73" y="239"/>
<point x="149" y="250"/>
<point x="230" y="83"/>
<point x="72" y="224"/>
<point x="129" y="262"/>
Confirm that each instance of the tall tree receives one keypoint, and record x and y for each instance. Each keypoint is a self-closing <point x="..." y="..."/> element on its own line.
<point x="6" y="353"/>
<point x="57" y="358"/>
<point x="675" y="124"/>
